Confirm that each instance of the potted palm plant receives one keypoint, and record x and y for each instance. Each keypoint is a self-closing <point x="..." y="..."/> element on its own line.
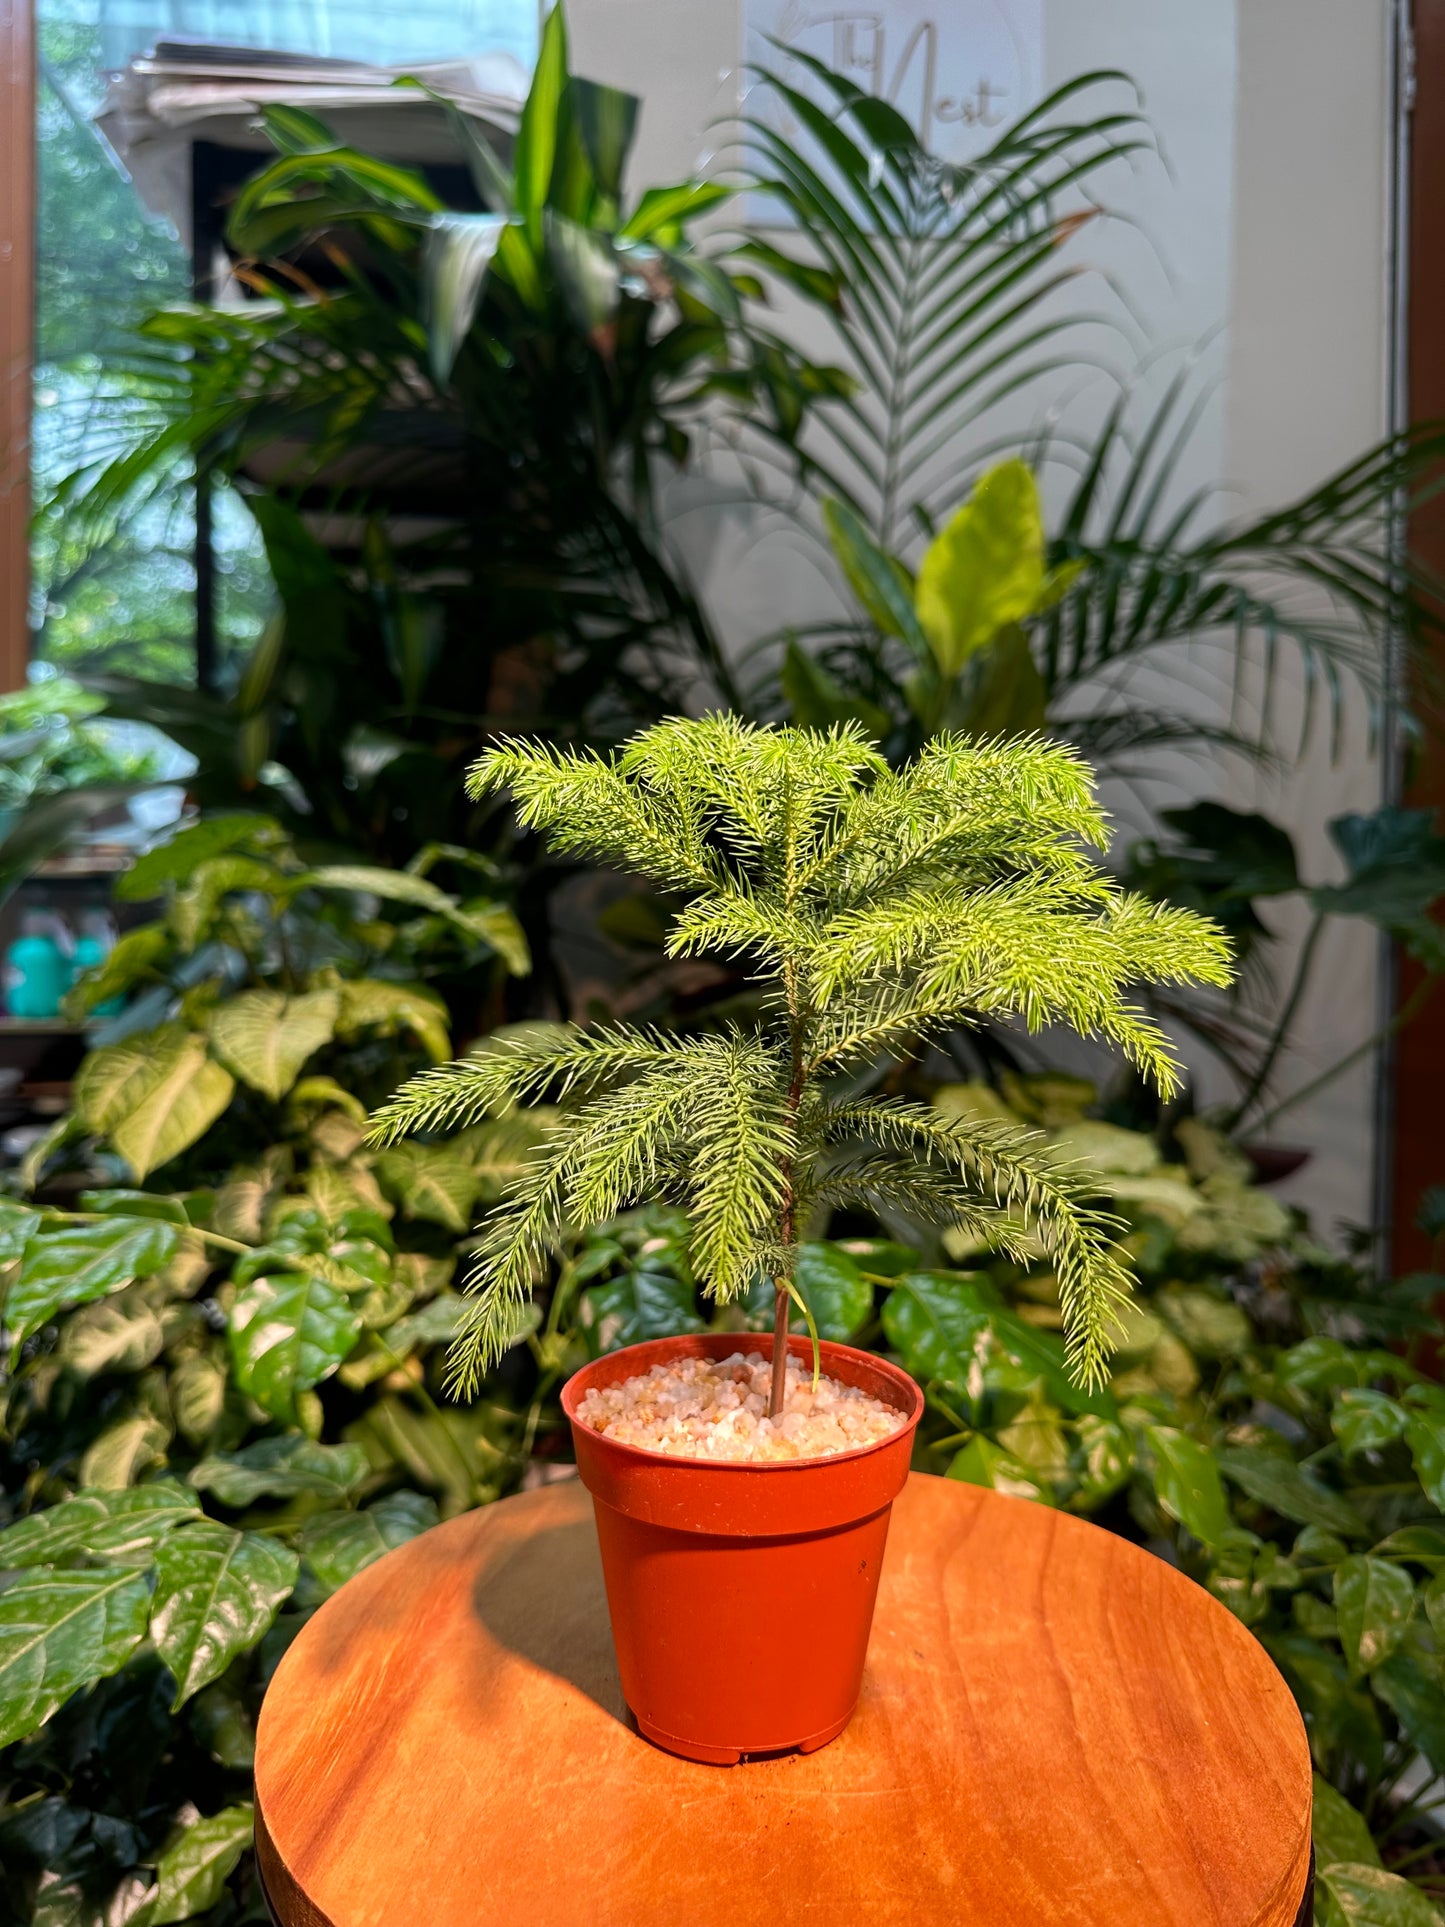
<point x="741" y="1493"/>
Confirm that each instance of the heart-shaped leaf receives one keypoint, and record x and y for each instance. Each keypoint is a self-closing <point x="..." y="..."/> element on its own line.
<point x="1366" y="1896"/>
<point x="1363" y="1420"/>
<point x="79" y="1263"/>
<point x="217" y="1592"/>
<point x="265" y="1037"/>
<point x="437" y="1182"/>
<point x="938" y="1322"/>
<point x="288" y="1332"/>
<point x="1373" y="1602"/>
<point x="60" y="1631"/>
<point x="985" y="569"/>
<point x="641" y="1304"/>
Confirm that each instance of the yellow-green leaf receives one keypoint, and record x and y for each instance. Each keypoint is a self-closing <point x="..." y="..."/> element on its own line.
<point x="265" y="1036"/>
<point x="985" y="568"/>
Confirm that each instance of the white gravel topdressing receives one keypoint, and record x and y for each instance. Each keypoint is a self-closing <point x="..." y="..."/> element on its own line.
<point x="716" y="1408"/>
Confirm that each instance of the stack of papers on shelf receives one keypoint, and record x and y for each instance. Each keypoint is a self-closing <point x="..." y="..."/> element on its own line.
<point x="183" y="91"/>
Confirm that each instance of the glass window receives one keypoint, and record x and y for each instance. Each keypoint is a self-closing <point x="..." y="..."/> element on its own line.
<point x="123" y="597"/>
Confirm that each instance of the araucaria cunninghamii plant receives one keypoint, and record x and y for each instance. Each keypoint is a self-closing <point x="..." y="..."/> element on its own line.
<point x="881" y="908"/>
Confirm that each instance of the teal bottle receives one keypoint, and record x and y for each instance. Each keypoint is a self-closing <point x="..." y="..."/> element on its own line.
<point x="37" y="973"/>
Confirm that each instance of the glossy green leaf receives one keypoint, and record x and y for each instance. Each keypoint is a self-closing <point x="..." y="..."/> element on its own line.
<point x="79" y="1263"/>
<point x="660" y="211"/>
<point x="834" y="1289"/>
<point x="1291" y="1490"/>
<point x="1418" y="1703"/>
<point x="264" y="1037"/>
<point x="217" y="1591"/>
<point x="1424" y="1545"/>
<point x="1340" y="1830"/>
<point x="60" y="1631"/>
<point x="640" y="1304"/>
<point x="981" y="1462"/>
<point x="985" y="569"/>
<point x="338" y="1545"/>
<point x="1009" y="698"/>
<point x="1186" y="1479"/>
<point x="17" y="1222"/>
<point x="191" y="1874"/>
<point x="817" y="700"/>
<point x="1363" y="1420"/>
<point x="938" y="1324"/>
<point x="1108" y="1458"/>
<point x="1366" y="1896"/>
<point x="1373" y="1602"/>
<point x="288" y="1332"/>
<point x="280" y="1468"/>
<point x="122" y="1334"/>
<point x="1426" y="1436"/>
<point x="122" y="1526"/>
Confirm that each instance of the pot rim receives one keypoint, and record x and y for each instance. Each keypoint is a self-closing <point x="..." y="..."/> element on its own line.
<point x="875" y="1361"/>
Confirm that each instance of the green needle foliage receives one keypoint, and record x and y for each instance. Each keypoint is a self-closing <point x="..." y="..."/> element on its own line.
<point x="880" y="908"/>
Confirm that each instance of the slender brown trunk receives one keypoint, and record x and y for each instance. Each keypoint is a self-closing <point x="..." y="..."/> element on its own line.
<point x="782" y="1300"/>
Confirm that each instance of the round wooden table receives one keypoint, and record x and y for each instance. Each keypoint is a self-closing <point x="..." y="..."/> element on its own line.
<point x="1056" y="1730"/>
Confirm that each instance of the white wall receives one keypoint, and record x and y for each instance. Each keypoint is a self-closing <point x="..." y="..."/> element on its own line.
<point x="1271" y="220"/>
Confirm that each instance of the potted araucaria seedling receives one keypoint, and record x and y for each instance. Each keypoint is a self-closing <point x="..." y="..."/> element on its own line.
<point x="742" y="1485"/>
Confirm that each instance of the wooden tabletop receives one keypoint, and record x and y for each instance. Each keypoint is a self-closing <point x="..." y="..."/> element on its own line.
<point x="1056" y="1730"/>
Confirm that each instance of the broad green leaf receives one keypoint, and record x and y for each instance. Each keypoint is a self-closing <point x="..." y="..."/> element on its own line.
<point x="198" y="1394"/>
<point x="121" y="1526"/>
<point x="1338" y="1713"/>
<point x="1186" y="1480"/>
<point x="938" y="1324"/>
<point x="496" y="925"/>
<point x="370" y="1003"/>
<point x="437" y="1182"/>
<point x="60" y="1631"/>
<point x="217" y="1592"/>
<point x="834" y="1290"/>
<point x="116" y="1078"/>
<point x="981" y="1462"/>
<point x="1363" y="1420"/>
<point x="280" y="1469"/>
<point x="1418" y="1703"/>
<point x="264" y="1036"/>
<point x="880" y="581"/>
<point x="338" y="1545"/>
<point x="1425" y="1545"/>
<point x="82" y="1262"/>
<point x="587" y="270"/>
<point x="1291" y="1491"/>
<point x="1426" y="1436"/>
<point x="400" y="886"/>
<point x="176" y="859"/>
<point x="1363" y="1895"/>
<point x="459" y="251"/>
<point x="1009" y="698"/>
<point x="1108" y="1455"/>
<point x="1373" y="1602"/>
<point x="129" y="959"/>
<point x="985" y="569"/>
<point x="191" y="1876"/>
<point x="194" y="912"/>
<point x="640" y="1304"/>
<point x="1341" y="1831"/>
<point x="152" y="1095"/>
<point x="288" y="1332"/>
<point x="17" y="1221"/>
<point x="117" y="1203"/>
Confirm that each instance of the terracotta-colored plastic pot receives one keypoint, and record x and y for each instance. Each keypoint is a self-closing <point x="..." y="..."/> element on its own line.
<point x="742" y="1595"/>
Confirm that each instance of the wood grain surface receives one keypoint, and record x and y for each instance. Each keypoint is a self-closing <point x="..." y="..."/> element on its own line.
<point x="1056" y="1730"/>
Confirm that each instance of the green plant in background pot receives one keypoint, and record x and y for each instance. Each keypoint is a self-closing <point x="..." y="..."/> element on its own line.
<point x="879" y="909"/>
